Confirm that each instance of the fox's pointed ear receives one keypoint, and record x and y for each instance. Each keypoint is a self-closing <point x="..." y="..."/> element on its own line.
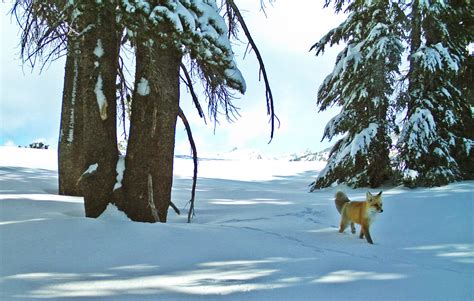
<point x="368" y="195"/>
<point x="380" y="193"/>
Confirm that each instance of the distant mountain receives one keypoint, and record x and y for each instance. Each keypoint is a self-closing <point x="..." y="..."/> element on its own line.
<point x="312" y="156"/>
<point x="243" y="154"/>
<point x="254" y="154"/>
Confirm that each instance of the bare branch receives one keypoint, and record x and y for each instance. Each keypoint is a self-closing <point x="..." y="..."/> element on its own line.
<point x="176" y="210"/>
<point x="263" y="6"/>
<point x="44" y="30"/>
<point x="195" y="161"/>
<point x="188" y="82"/>
<point x="263" y="72"/>
<point x="124" y="94"/>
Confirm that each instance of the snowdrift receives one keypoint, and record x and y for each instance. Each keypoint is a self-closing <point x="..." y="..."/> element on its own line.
<point x="257" y="235"/>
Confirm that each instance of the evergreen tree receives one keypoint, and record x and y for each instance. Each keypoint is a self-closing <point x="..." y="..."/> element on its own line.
<point x="460" y="24"/>
<point x="362" y="83"/>
<point x="434" y="140"/>
<point x="164" y="32"/>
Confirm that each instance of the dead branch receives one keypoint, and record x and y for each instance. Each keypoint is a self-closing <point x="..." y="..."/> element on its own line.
<point x="188" y="82"/>
<point x="124" y="94"/>
<point x="263" y="6"/>
<point x="268" y="91"/>
<point x="175" y="208"/>
<point x="44" y="31"/>
<point x="195" y="161"/>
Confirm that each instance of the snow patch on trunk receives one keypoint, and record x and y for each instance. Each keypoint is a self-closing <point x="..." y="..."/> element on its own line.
<point x="91" y="169"/>
<point x="143" y="88"/>
<point x="99" y="50"/>
<point x="101" y="100"/>
<point x="120" y="169"/>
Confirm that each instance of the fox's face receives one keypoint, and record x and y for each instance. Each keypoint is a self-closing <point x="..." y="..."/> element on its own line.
<point x="375" y="201"/>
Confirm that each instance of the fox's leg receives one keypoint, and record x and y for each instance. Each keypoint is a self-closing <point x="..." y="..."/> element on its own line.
<point x="366" y="232"/>
<point x="344" y="224"/>
<point x="353" y="228"/>
<point x="361" y="235"/>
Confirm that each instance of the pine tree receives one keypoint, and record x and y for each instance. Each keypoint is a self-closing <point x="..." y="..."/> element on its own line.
<point x="362" y="83"/>
<point x="164" y="32"/>
<point x="434" y="140"/>
<point x="460" y="24"/>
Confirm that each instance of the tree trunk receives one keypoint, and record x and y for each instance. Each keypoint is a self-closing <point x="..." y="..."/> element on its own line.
<point x="70" y="155"/>
<point x="414" y="80"/>
<point x="88" y="140"/>
<point x="99" y="68"/>
<point x="148" y="175"/>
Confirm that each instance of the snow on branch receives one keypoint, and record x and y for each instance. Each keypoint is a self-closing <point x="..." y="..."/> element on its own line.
<point x="419" y="131"/>
<point x="359" y="144"/>
<point x="436" y="57"/>
<point x="196" y="28"/>
<point x="343" y="156"/>
<point x="334" y="36"/>
<point x="338" y="124"/>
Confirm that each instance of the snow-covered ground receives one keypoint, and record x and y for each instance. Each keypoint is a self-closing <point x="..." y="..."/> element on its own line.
<point x="258" y="235"/>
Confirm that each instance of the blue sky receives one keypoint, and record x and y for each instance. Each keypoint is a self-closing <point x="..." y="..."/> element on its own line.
<point x="30" y="101"/>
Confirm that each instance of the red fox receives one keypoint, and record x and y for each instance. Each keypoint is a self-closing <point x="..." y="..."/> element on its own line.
<point x="362" y="213"/>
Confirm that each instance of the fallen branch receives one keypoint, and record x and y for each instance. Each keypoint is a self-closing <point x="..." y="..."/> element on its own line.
<point x="195" y="161"/>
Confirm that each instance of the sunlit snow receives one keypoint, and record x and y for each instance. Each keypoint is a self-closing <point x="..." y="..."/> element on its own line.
<point x="257" y="235"/>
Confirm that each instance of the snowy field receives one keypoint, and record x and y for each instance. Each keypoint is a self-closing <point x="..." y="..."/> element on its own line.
<point x="258" y="235"/>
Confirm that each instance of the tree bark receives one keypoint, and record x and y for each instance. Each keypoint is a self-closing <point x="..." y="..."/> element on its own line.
<point x="148" y="175"/>
<point x="70" y="155"/>
<point x="99" y="68"/>
<point x="88" y="140"/>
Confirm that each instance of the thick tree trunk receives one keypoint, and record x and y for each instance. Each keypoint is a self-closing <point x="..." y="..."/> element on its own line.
<point x="148" y="175"/>
<point x="88" y="140"/>
<point x="99" y="68"/>
<point x="70" y="155"/>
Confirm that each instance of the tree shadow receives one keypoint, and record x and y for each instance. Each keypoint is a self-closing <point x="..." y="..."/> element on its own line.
<point x="210" y="280"/>
<point x="238" y="247"/>
<point x="27" y="180"/>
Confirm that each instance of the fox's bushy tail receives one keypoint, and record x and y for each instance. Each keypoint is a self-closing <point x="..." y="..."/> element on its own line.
<point x="341" y="199"/>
